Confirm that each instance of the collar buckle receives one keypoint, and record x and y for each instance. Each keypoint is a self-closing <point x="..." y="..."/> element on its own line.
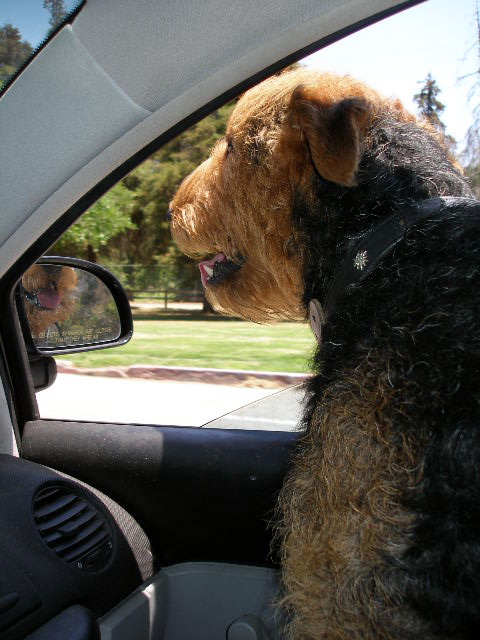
<point x="316" y="317"/>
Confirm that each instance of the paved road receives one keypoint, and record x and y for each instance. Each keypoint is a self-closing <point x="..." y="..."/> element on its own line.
<point x="126" y="400"/>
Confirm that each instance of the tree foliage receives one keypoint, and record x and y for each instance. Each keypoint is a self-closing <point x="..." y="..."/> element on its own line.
<point x="107" y="219"/>
<point x="428" y="104"/>
<point x="13" y="51"/>
<point x="430" y="108"/>
<point x="471" y="154"/>
<point x="156" y="181"/>
<point x="472" y="171"/>
<point x="57" y="11"/>
<point x="128" y="226"/>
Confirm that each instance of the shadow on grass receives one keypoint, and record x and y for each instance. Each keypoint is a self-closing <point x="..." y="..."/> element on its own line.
<point x="156" y="314"/>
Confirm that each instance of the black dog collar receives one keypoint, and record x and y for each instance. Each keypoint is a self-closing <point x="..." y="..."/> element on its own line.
<point x="370" y="250"/>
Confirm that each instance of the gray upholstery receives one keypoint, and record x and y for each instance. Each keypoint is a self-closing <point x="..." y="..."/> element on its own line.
<point x="69" y="111"/>
<point x="209" y="35"/>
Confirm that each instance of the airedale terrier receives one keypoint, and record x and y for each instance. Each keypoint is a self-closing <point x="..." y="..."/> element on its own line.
<point x="326" y="195"/>
<point x="48" y="296"/>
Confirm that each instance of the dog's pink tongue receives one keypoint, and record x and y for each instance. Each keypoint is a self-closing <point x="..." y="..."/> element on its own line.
<point x="206" y="273"/>
<point x="48" y="298"/>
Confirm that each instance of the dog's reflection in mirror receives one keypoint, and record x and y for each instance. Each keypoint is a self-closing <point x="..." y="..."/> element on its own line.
<point x="67" y="306"/>
<point x="49" y="296"/>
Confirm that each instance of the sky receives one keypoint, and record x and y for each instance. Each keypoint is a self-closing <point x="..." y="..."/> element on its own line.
<point x="396" y="54"/>
<point x="393" y="56"/>
<point x="29" y="16"/>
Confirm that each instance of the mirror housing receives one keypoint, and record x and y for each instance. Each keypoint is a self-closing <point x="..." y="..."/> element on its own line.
<point x="44" y="372"/>
<point x="68" y="305"/>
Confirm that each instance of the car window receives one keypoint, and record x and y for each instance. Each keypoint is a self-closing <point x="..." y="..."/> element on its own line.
<point x="181" y="348"/>
<point x="186" y="364"/>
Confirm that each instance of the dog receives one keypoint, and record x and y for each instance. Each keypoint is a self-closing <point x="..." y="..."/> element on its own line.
<point x="330" y="201"/>
<point x="48" y="293"/>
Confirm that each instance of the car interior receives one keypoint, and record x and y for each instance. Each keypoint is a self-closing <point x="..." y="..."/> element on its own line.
<point x="133" y="531"/>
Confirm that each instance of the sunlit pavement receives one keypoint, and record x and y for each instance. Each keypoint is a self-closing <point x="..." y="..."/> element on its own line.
<point x="123" y="400"/>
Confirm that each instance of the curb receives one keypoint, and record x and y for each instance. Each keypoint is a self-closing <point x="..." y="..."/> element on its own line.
<point x="266" y="379"/>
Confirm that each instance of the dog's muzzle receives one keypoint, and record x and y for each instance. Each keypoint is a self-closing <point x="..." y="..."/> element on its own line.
<point x="217" y="269"/>
<point x="45" y="298"/>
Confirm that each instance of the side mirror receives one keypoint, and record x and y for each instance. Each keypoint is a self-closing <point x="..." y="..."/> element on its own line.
<point x="67" y="305"/>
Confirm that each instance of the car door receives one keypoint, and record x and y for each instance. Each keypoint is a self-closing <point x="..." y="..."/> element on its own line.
<point x="107" y="90"/>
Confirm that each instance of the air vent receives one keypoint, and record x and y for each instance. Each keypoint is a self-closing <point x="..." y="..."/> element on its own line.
<point x="72" y="527"/>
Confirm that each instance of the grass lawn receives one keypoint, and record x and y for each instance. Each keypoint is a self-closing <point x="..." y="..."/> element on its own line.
<point x="214" y="342"/>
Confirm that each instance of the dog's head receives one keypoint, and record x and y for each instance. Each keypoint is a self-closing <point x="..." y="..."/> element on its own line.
<point x="48" y="295"/>
<point x="234" y="210"/>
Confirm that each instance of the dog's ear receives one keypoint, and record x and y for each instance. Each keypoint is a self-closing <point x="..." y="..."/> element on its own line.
<point x="334" y="133"/>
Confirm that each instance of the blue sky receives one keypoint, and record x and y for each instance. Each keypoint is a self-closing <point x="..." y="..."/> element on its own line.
<point x="29" y="16"/>
<point x="436" y="37"/>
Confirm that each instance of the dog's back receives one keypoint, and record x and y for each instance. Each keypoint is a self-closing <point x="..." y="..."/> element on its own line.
<point x="381" y="514"/>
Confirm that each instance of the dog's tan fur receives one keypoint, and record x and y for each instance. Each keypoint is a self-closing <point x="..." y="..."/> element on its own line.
<point x="62" y="281"/>
<point x="225" y="206"/>
<point x="343" y="518"/>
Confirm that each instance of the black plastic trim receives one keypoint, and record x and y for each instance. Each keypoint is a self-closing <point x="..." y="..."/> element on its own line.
<point x="44" y="372"/>
<point x="7" y="387"/>
<point x="45" y="584"/>
<point x="22" y="391"/>
<point x="199" y="494"/>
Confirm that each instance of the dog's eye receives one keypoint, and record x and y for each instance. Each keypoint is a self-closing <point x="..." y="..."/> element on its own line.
<point x="229" y="147"/>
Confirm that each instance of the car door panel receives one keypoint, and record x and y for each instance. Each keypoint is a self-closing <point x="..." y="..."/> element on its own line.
<point x="199" y="494"/>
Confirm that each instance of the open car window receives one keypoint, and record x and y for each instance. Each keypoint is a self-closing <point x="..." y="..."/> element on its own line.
<point x="181" y="348"/>
<point x="178" y="340"/>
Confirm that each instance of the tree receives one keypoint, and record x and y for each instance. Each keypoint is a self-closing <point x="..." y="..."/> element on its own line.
<point x="428" y="104"/>
<point x="430" y="108"/>
<point x="13" y="51"/>
<point x="128" y="225"/>
<point x="107" y="219"/>
<point x="154" y="184"/>
<point x="57" y="10"/>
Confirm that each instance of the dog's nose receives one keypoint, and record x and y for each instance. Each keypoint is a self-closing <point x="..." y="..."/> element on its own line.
<point x="169" y="214"/>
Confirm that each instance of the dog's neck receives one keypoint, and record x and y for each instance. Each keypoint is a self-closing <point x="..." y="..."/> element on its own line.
<point x="402" y="165"/>
<point x="368" y="253"/>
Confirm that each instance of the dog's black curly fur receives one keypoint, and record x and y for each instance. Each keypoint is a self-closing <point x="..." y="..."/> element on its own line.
<point x="420" y="310"/>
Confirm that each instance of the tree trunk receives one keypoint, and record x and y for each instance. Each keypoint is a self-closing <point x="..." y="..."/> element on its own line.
<point x="91" y="255"/>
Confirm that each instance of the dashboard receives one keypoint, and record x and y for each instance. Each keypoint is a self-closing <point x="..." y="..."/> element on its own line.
<point x="76" y="566"/>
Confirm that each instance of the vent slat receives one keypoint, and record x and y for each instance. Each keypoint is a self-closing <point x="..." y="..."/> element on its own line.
<point x="72" y="527"/>
<point x="55" y="505"/>
<point x="79" y="537"/>
<point x="68" y="530"/>
<point x="84" y="549"/>
<point x="74" y="511"/>
<point x="46" y="494"/>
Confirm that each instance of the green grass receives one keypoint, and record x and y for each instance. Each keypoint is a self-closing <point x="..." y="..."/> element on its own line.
<point x="214" y="342"/>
